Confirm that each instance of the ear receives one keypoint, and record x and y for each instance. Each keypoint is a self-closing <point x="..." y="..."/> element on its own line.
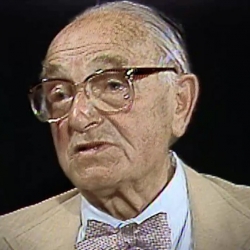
<point x="186" y="94"/>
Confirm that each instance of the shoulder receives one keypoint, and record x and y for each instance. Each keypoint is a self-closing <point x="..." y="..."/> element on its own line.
<point x="24" y="216"/>
<point x="241" y="193"/>
<point x="203" y="185"/>
<point x="228" y="190"/>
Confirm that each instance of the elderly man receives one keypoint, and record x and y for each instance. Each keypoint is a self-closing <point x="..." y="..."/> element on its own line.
<point x="115" y="107"/>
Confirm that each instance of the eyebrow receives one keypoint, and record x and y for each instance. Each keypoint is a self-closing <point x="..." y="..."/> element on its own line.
<point x="52" y="70"/>
<point x="98" y="62"/>
<point x="115" y="60"/>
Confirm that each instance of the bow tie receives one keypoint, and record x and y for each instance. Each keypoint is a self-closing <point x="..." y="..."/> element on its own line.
<point x="152" y="234"/>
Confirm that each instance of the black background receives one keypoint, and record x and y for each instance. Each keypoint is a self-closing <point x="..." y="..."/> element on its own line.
<point x="217" y="141"/>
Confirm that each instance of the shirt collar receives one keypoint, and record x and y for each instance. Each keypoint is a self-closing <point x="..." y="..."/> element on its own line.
<point x="172" y="200"/>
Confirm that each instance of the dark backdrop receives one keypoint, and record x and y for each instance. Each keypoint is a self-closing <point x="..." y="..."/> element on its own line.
<point x="217" y="141"/>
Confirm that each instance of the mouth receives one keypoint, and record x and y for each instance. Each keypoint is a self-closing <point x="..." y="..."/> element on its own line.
<point x="91" y="148"/>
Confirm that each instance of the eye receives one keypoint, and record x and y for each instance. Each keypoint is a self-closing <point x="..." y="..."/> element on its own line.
<point x="114" y="85"/>
<point x="59" y="92"/>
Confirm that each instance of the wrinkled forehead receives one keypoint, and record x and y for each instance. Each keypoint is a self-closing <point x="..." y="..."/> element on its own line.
<point x="108" y="36"/>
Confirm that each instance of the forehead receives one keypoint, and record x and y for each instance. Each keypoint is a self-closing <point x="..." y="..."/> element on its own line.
<point x="109" y="26"/>
<point x="108" y="38"/>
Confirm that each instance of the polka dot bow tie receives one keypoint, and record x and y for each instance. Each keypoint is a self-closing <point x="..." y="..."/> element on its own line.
<point x="153" y="234"/>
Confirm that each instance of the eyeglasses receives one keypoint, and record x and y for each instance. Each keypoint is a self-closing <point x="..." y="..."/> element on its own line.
<point x="110" y="91"/>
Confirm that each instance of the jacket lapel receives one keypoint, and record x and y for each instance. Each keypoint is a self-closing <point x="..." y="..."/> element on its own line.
<point x="218" y="221"/>
<point x="5" y="245"/>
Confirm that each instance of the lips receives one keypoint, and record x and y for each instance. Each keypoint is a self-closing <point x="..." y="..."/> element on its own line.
<point x="90" y="147"/>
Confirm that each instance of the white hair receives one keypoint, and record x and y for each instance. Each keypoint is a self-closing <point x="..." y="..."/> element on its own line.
<point x="165" y="32"/>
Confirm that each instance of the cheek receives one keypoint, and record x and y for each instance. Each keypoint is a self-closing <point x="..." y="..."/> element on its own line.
<point x="154" y="117"/>
<point x="60" y="135"/>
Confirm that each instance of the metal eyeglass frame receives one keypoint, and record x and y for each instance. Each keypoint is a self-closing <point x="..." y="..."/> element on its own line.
<point x="129" y="73"/>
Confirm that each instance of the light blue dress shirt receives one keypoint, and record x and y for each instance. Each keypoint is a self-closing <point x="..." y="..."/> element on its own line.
<point x="173" y="200"/>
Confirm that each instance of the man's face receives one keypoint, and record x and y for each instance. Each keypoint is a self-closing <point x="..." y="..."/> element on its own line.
<point x="138" y="139"/>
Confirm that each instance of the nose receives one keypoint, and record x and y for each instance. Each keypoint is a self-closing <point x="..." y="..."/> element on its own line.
<point x="83" y="115"/>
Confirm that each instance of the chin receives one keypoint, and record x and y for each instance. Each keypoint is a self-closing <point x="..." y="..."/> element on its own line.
<point x="93" y="177"/>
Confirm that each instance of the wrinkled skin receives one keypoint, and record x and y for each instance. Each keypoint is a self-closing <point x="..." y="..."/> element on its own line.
<point x="123" y="179"/>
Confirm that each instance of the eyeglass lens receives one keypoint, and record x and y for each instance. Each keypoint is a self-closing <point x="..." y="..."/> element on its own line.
<point x="108" y="91"/>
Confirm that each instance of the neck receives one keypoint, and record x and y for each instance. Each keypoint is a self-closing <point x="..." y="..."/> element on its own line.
<point x="130" y="199"/>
